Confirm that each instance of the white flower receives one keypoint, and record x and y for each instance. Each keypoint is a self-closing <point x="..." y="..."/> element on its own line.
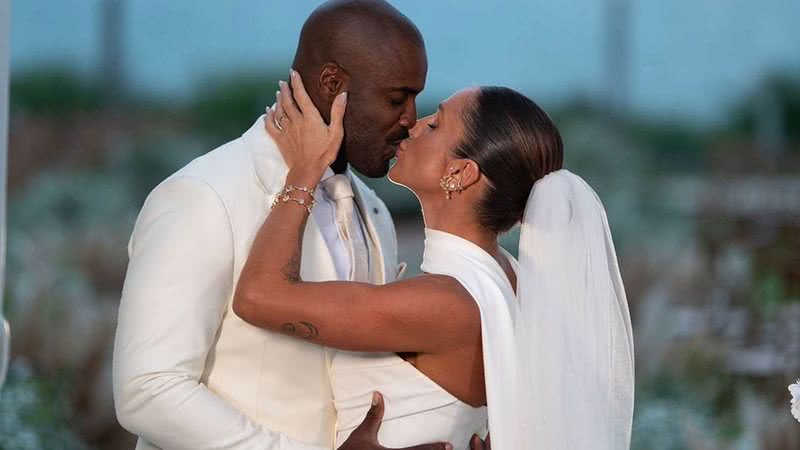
<point x="795" y="390"/>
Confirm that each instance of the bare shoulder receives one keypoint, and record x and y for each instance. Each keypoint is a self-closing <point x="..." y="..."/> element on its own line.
<point x="439" y="295"/>
<point x="439" y="286"/>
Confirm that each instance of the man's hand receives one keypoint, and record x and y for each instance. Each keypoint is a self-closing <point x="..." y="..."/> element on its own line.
<point x="476" y="443"/>
<point x="365" y="436"/>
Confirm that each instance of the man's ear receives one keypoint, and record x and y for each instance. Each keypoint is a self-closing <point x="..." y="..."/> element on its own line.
<point x="333" y="80"/>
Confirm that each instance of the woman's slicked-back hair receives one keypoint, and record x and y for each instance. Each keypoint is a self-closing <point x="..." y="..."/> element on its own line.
<point x="514" y="143"/>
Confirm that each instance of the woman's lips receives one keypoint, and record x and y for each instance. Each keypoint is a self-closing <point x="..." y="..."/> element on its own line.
<point x="396" y="146"/>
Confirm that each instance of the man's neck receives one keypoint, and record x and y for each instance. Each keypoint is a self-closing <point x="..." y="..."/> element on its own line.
<point x="340" y="165"/>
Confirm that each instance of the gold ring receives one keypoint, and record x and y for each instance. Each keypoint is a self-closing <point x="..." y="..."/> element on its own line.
<point x="277" y="121"/>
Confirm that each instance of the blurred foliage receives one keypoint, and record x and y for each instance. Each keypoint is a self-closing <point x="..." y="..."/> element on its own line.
<point x="68" y="228"/>
<point x="784" y="91"/>
<point x="664" y="404"/>
<point x="34" y="412"/>
<point x="63" y="214"/>
<point x="70" y="200"/>
<point x="673" y="147"/>
<point x="52" y="92"/>
<point x="770" y="293"/>
<point x="67" y="235"/>
<point x="224" y="107"/>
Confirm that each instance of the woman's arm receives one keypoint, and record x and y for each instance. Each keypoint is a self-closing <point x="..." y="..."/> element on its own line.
<point x="425" y="314"/>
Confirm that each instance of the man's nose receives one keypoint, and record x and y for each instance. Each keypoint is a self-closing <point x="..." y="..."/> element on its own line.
<point x="409" y="117"/>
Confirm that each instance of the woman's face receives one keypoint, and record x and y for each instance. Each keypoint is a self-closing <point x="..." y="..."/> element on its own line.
<point x="423" y="158"/>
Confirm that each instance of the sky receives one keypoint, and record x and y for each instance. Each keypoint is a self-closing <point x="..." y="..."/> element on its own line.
<point x="689" y="59"/>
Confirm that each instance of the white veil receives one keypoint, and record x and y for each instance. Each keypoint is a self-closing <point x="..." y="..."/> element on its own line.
<point x="573" y="335"/>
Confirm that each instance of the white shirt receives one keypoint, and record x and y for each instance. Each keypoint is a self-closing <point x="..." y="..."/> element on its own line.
<point x="325" y="215"/>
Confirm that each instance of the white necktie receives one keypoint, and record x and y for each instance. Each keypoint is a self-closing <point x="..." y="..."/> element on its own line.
<point x="340" y="191"/>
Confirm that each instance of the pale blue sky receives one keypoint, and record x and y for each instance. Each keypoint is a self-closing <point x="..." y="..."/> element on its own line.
<point x="690" y="58"/>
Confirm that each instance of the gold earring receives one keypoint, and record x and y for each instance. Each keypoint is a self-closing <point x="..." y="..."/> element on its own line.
<point x="450" y="184"/>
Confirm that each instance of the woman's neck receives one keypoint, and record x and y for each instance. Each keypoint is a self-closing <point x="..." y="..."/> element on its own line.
<point x="458" y="219"/>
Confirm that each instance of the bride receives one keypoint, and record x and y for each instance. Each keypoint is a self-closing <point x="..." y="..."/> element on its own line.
<point x="545" y="341"/>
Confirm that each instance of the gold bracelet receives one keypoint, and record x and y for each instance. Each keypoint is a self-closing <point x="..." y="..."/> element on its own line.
<point x="307" y="205"/>
<point x="291" y="187"/>
<point x="283" y="196"/>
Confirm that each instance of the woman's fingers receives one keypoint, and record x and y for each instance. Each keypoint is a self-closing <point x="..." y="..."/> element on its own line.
<point x="278" y="136"/>
<point x="277" y="108"/>
<point x="300" y="95"/>
<point x="337" y="113"/>
<point x="270" y="125"/>
<point x="287" y="103"/>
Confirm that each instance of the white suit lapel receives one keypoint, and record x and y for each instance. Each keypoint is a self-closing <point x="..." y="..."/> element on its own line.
<point x="270" y="170"/>
<point x="317" y="263"/>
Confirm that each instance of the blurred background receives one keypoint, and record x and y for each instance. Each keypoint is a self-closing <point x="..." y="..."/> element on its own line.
<point x="684" y="115"/>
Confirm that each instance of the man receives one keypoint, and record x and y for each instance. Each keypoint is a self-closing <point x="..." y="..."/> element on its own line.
<point x="188" y="373"/>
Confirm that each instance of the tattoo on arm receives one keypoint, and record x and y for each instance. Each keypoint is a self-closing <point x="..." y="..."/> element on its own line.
<point x="291" y="270"/>
<point x="304" y="330"/>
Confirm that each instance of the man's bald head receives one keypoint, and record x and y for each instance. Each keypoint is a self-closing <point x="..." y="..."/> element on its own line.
<point x="353" y="33"/>
<point x="376" y="54"/>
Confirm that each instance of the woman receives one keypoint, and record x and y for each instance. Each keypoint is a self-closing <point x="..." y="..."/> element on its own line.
<point x="546" y="343"/>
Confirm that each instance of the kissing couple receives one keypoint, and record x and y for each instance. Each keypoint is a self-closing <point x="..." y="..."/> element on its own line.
<point x="264" y="306"/>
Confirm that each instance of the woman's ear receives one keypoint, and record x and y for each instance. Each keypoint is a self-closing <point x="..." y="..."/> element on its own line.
<point x="333" y="80"/>
<point x="469" y="172"/>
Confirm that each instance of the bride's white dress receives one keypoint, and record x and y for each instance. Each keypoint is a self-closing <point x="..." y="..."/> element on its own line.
<point x="557" y="355"/>
<point x="417" y="409"/>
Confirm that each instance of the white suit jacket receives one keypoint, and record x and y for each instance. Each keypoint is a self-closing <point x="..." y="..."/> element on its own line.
<point x="188" y="373"/>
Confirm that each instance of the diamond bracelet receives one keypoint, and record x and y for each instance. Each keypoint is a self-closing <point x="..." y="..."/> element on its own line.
<point x="284" y="197"/>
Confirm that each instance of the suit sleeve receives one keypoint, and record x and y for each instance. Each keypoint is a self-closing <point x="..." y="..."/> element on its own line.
<point x="177" y="287"/>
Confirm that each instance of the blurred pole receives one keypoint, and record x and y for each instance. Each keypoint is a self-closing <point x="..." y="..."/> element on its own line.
<point x="617" y="56"/>
<point x="5" y="34"/>
<point x="112" y="69"/>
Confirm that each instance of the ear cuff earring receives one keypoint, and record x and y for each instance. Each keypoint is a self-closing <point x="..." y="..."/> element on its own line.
<point x="451" y="184"/>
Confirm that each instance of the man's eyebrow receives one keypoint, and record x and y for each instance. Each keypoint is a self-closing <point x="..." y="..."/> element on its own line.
<point x="407" y="90"/>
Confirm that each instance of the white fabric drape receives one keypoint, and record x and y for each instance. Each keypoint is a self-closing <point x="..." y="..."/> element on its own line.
<point x="575" y="381"/>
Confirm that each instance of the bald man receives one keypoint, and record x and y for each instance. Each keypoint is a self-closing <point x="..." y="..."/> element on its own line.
<point x="188" y="373"/>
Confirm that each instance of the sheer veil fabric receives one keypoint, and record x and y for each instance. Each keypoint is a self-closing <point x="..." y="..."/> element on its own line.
<point x="575" y="383"/>
<point x="558" y="355"/>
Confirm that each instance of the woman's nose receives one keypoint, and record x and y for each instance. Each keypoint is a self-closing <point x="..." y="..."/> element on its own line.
<point x="416" y="129"/>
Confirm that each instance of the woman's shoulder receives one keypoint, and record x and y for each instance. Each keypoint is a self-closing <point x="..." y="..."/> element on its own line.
<point x="441" y="288"/>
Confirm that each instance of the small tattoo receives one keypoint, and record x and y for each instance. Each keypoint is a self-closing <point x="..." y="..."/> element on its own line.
<point x="291" y="270"/>
<point x="304" y="330"/>
<point x="312" y="331"/>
